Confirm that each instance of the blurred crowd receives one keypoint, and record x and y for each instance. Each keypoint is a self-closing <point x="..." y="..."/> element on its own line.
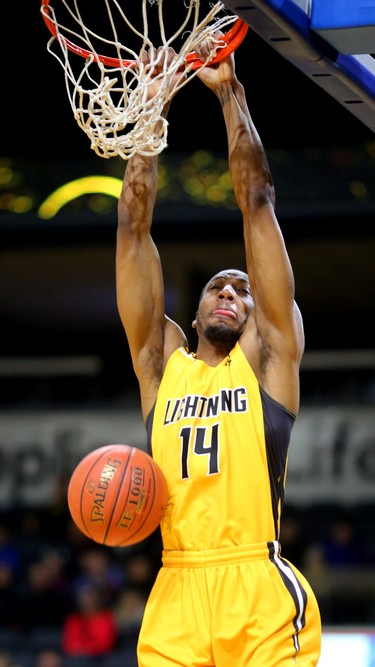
<point x="66" y="601"/>
<point x="65" y="598"/>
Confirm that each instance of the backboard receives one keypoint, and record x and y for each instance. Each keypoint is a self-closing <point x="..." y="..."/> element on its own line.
<point x="324" y="42"/>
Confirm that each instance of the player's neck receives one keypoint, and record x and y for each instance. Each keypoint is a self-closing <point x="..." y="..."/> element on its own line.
<point x="211" y="354"/>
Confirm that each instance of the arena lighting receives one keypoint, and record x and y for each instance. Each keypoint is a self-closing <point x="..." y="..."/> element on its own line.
<point x="107" y="185"/>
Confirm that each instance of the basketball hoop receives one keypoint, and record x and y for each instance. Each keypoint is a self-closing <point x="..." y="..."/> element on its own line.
<point x="108" y="93"/>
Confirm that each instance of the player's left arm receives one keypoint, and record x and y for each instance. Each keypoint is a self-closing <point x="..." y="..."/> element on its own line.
<point x="278" y="320"/>
<point x="278" y="332"/>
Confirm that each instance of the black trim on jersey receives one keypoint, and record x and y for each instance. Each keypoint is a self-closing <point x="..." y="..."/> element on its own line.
<point x="278" y="424"/>
<point x="148" y="423"/>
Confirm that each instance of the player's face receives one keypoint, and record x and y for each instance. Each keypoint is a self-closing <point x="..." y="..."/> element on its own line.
<point x="225" y="306"/>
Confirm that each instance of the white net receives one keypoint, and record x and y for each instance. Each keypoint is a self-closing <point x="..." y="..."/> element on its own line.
<point x="109" y="95"/>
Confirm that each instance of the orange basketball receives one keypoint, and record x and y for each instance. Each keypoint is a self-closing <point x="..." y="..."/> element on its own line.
<point x="117" y="495"/>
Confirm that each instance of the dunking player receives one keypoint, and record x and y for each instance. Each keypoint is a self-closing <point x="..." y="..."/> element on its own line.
<point x="219" y="422"/>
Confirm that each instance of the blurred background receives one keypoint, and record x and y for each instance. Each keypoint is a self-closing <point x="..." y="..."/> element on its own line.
<point x="66" y="381"/>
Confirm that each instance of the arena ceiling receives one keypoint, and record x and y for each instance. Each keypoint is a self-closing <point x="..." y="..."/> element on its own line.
<point x="57" y="285"/>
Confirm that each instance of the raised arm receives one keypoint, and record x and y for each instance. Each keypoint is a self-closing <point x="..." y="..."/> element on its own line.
<point x="151" y="335"/>
<point x="277" y="336"/>
<point x="139" y="281"/>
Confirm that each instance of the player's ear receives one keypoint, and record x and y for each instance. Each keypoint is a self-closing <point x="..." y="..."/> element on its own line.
<point x="194" y="324"/>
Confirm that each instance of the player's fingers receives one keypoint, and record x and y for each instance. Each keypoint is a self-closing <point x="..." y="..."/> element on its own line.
<point x="164" y="58"/>
<point x="218" y="35"/>
<point x="147" y="55"/>
<point x="206" y="49"/>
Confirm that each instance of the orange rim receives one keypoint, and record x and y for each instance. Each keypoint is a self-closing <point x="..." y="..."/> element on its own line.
<point x="232" y="38"/>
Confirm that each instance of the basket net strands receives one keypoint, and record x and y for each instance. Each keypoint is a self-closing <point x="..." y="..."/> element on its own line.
<point x="109" y="93"/>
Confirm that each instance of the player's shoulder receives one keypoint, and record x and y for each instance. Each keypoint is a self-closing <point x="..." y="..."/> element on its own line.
<point x="174" y="339"/>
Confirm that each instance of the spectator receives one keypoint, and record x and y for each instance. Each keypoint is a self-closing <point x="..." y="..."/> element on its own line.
<point x="333" y="565"/>
<point x="315" y="567"/>
<point x="89" y="630"/>
<point x="41" y="603"/>
<point x="6" y="660"/>
<point x="140" y="572"/>
<point x="49" y="658"/>
<point x="292" y="540"/>
<point x="128" y="613"/>
<point x="10" y="553"/>
<point x="32" y="536"/>
<point x="9" y="606"/>
<point x="54" y="561"/>
<point x="76" y="543"/>
<point x="342" y="549"/>
<point x="97" y="568"/>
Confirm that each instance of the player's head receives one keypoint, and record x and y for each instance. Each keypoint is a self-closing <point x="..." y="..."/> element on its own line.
<point x="224" y="307"/>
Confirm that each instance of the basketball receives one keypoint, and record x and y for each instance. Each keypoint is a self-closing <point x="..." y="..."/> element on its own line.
<point x="117" y="495"/>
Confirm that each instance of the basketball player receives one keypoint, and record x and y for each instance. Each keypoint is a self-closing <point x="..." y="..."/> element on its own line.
<point x="219" y="423"/>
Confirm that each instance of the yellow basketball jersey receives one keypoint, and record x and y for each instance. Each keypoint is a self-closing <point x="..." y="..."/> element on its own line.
<point x="222" y="444"/>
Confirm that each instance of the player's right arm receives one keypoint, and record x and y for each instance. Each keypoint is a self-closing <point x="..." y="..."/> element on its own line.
<point x="152" y="336"/>
<point x="139" y="280"/>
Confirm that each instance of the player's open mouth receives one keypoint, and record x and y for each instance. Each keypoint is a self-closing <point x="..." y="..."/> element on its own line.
<point x="225" y="312"/>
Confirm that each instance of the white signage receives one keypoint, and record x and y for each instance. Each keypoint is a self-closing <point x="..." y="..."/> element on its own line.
<point x="332" y="456"/>
<point x="332" y="452"/>
<point x="38" y="448"/>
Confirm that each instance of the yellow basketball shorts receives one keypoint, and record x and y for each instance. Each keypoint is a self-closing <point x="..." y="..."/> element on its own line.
<point x="231" y="607"/>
